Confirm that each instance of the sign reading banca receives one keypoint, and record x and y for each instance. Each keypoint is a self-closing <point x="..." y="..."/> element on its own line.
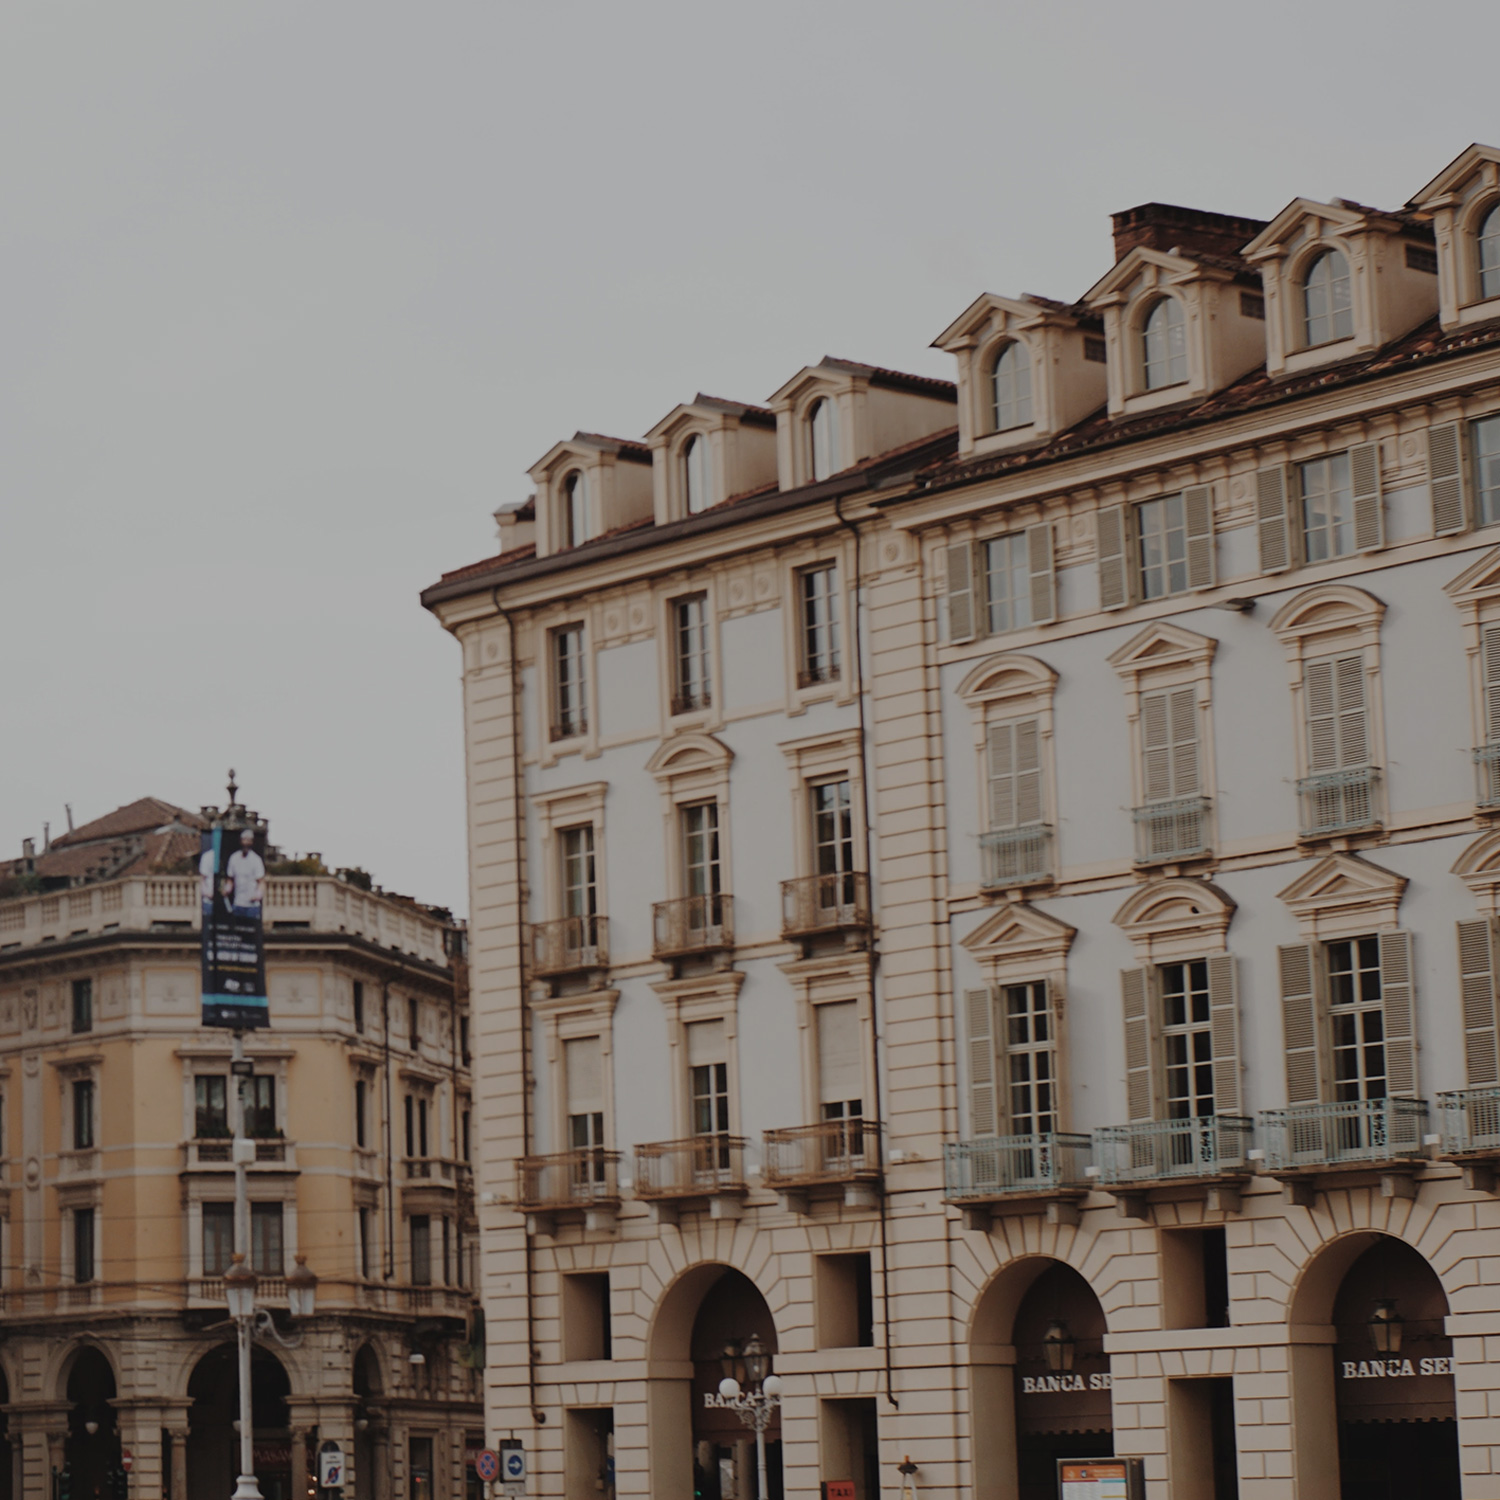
<point x="1042" y="1385"/>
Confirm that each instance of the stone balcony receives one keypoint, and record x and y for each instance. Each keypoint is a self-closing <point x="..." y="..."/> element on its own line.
<point x="1045" y="1172"/>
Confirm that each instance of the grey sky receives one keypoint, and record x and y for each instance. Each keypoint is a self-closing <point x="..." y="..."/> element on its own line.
<point x="295" y="292"/>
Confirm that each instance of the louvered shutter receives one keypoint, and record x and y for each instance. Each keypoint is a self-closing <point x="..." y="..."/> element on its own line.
<point x="1114" y="580"/>
<point x="1271" y="520"/>
<point x="1043" y="575"/>
<point x="1491" y="665"/>
<point x="1224" y="1022"/>
<point x="1445" y="477"/>
<point x="1397" y="981"/>
<point x="1001" y="748"/>
<point x="979" y="1015"/>
<point x="1182" y="713"/>
<point x="1349" y="689"/>
<point x="1198" y="514"/>
<point x="1299" y="1023"/>
<point x="1028" y="773"/>
<point x="1140" y="1090"/>
<point x="1322" y="717"/>
<point x="961" y="603"/>
<point x="1369" y="510"/>
<point x="1476" y="969"/>
<point x="1156" y="747"/>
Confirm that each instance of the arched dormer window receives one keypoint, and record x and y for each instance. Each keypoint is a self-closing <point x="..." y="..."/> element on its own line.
<point x="1487" y="245"/>
<point x="1012" y="388"/>
<point x="823" y="435"/>
<point x="1327" y="314"/>
<point x="575" y="509"/>
<point x="1164" y="345"/>
<point x="695" y="474"/>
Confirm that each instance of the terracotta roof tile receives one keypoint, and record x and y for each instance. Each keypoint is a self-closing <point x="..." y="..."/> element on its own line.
<point x="144" y="815"/>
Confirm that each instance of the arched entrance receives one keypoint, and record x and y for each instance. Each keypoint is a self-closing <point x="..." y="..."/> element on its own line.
<point x="1393" y="1377"/>
<point x="1040" y="1380"/>
<point x="213" y="1447"/>
<point x="699" y="1448"/>
<point x="92" y="1452"/>
<point x="367" y="1389"/>
<point x="7" y="1454"/>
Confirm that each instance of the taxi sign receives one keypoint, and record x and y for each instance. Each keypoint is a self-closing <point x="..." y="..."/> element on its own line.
<point x="487" y="1464"/>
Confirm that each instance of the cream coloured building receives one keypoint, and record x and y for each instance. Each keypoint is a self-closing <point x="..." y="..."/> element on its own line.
<point x="991" y="890"/>
<point x="116" y="1207"/>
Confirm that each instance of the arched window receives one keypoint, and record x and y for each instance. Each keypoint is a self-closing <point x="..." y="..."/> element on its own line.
<point x="695" y="474"/>
<point x="575" y="510"/>
<point x="1489" y="253"/>
<point x="1164" y="345"/>
<point x="1327" y="314"/>
<point x="823" y="430"/>
<point x="1012" y="392"/>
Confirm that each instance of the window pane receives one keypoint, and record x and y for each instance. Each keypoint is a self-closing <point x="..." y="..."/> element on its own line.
<point x="690" y="665"/>
<point x="1012" y="388"/>
<point x="218" y="1237"/>
<point x="820" y="625"/>
<point x="580" y="895"/>
<point x="1187" y="1040"/>
<point x="1357" y="1017"/>
<point x="83" y="1005"/>
<point x="267" y="1257"/>
<point x="211" y="1100"/>
<point x="575" y="510"/>
<point x="1163" y="547"/>
<point x="83" y="1115"/>
<point x="1487" y="469"/>
<point x="1164" y="345"/>
<point x="83" y="1244"/>
<point x="1489" y="254"/>
<point x="823" y="434"/>
<point x="1327" y="508"/>
<point x="833" y="832"/>
<point x="695" y="474"/>
<point x="1007" y="582"/>
<point x="421" y="1250"/>
<point x="569" y="702"/>
<point x="700" y="829"/>
<point x="1327" y="310"/>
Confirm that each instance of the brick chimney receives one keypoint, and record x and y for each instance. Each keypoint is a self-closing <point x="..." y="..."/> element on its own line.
<point x="1161" y="226"/>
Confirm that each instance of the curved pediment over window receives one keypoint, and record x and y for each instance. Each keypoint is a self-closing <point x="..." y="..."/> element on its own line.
<point x="1176" y="918"/>
<point x="689" y="754"/>
<point x="1329" y="607"/>
<point x="1008" y="675"/>
<point x="1479" y="869"/>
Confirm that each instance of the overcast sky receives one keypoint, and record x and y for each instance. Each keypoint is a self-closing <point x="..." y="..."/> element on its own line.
<point x="294" y="293"/>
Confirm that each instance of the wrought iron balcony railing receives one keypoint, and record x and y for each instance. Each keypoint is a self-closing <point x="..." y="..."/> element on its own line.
<point x="825" y="903"/>
<point x="692" y="924"/>
<point x="999" y="1165"/>
<point x="1167" y="831"/>
<point x="1339" y="802"/>
<point x="583" y="1178"/>
<point x="1350" y="1131"/>
<point x="830" y="1151"/>
<point x="570" y="945"/>
<point x="698" y="1167"/>
<point x="1470" y="1120"/>
<point x="1154" y="1150"/>
<point x="1016" y="856"/>
<point x="1487" y="776"/>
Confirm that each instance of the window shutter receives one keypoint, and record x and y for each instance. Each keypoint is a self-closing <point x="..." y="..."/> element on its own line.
<point x="961" y="614"/>
<point x="841" y="1071"/>
<point x="1322" y="720"/>
<point x="1299" y="1023"/>
<point x="1140" y="1091"/>
<point x="1198" y="512"/>
<point x="1001" y="753"/>
<point x="979" y="1009"/>
<point x="1224" y="1022"/>
<point x="1396" y="981"/>
<point x="1156" y="747"/>
<point x="1271" y="519"/>
<point x="1043" y="574"/>
<point x="1182" y="710"/>
<point x="1028" y="773"/>
<point x="1349" y="684"/>
<point x="1114" y="583"/>
<point x="1369" y="513"/>
<point x="1491" y="647"/>
<point x="1476" y="969"/>
<point x="1445" y="477"/>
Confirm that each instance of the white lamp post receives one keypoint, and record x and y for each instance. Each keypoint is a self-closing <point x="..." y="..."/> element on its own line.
<point x="756" y="1407"/>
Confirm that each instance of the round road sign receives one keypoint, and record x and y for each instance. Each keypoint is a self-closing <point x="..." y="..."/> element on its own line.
<point x="487" y="1465"/>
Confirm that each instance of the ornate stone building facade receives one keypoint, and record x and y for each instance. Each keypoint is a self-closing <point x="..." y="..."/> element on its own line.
<point x="990" y="889"/>
<point x="118" y="1189"/>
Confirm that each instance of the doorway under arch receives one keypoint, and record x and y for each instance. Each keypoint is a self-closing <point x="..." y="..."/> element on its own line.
<point x="213" y="1451"/>
<point x="367" y="1390"/>
<point x="92" y="1458"/>
<point x="704" y="1321"/>
<point x="1039" y="1380"/>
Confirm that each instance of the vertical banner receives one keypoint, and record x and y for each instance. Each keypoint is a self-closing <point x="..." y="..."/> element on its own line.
<point x="232" y="882"/>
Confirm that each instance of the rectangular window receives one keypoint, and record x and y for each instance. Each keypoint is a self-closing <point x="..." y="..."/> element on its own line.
<point x="267" y="1252"/>
<point x="1014" y="773"/>
<point x="260" y="1107"/>
<point x="580" y="895"/>
<point x="1169" y="744"/>
<point x="414" y="1025"/>
<point x="83" y="1244"/>
<point x="411" y="1126"/>
<point x="1027" y="1023"/>
<point x="423" y="1110"/>
<point x="211" y="1106"/>
<point x="421" y="1250"/>
<point x="361" y="1113"/>
<point x="1487" y="470"/>
<point x="218" y="1237"/>
<point x="820" y="626"/>
<point x="447" y="1253"/>
<point x="83" y="1114"/>
<point x="1161" y="531"/>
<point x="708" y="1078"/>
<point x="569" y="697"/>
<point x="83" y="1005"/>
<point x="583" y="1082"/>
<point x="1357" y="1018"/>
<point x="690" y="666"/>
<point x="463" y="1128"/>
<point x="1187" y="1040"/>
<point x="841" y="1071"/>
<point x="700" y="849"/>
<point x="366" y="1243"/>
<point x="1337" y="733"/>
<point x="463" y="1040"/>
<point x="1007" y="582"/>
<point x="1327" y="507"/>
<point x="833" y="836"/>
<point x="359" y="1007"/>
<point x="420" y="1450"/>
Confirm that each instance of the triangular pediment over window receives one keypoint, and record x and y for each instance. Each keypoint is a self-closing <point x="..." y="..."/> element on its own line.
<point x="1162" y="645"/>
<point x="1479" y="582"/>
<point x="1019" y="930"/>
<point x="1342" y="894"/>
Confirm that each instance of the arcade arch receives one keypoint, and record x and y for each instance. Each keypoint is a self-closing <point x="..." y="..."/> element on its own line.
<point x="213" y="1445"/>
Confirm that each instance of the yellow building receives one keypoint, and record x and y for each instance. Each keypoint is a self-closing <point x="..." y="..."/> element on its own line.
<point x="116" y="1218"/>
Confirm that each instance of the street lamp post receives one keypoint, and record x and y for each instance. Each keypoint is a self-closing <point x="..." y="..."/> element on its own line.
<point x="754" y="1407"/>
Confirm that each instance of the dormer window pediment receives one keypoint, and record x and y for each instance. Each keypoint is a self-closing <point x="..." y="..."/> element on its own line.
<point x="707" y="450"/>
<point x="1464" y="202"/>
<point x="1028" y="369"/>
<point x="1341" y="280"/>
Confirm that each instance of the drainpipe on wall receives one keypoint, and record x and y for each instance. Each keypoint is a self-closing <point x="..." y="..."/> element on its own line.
<point x="390" y="1165"/>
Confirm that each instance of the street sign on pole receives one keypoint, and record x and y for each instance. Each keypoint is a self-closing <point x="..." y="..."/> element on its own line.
<point x="330" y="1466"/>
<point x="513" y="1466"/>
<point x="487" y="1464"/>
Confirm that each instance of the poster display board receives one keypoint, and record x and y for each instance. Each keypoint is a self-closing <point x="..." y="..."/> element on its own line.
<point x="1100" y="1479"/>
<point x="232" y="889"/>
